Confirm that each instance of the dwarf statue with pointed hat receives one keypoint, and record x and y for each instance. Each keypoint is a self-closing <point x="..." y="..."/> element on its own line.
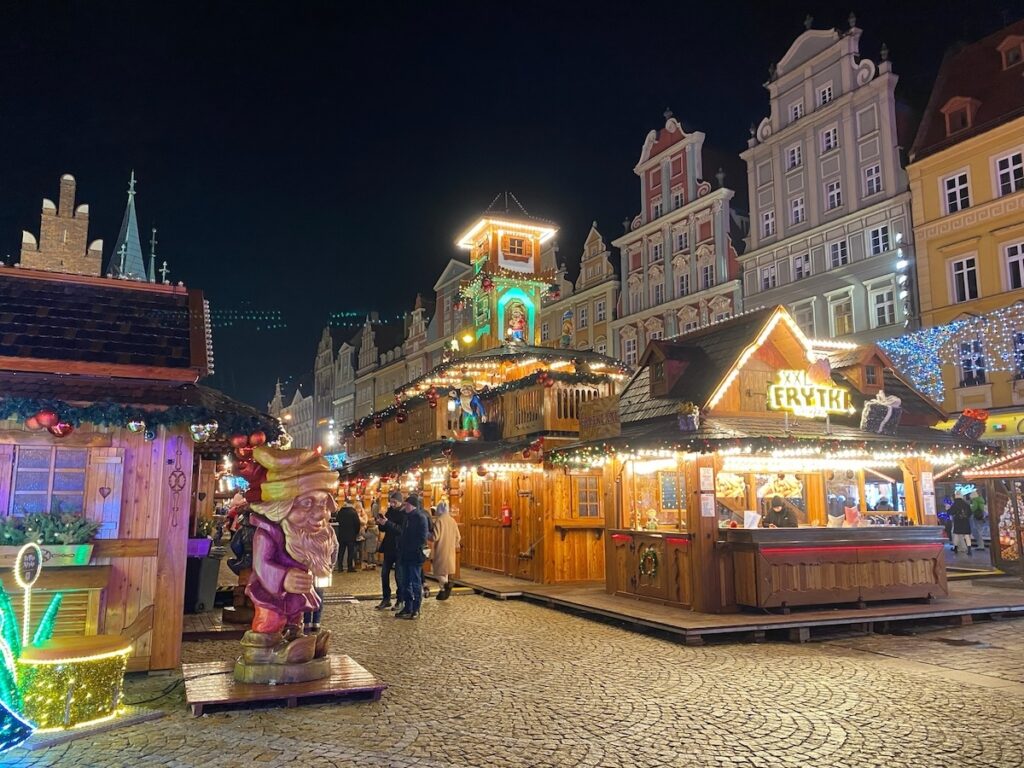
<point x="471" y="408"/>
<point x="294" y="547"/>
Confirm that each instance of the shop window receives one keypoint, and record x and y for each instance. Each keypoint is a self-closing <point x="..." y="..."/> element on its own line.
<point x="487" y="498"/>
<point x="659" y="495"/>
<point x="788" y="487"/>
<point x="972" y="364"/>
<point x="586" y="492"/>
<point x="965" y="279"/>
<point x="48" y="479"/>
<point x="1010" y="170"/>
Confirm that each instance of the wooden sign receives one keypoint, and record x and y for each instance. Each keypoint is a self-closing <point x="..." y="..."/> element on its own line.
<point x="599" y="418"/>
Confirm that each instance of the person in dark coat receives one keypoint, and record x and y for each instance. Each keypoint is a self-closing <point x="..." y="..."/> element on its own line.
<point x="412" y="539"/>
<point x="778" y="516"/>
<point x="348" y="527"/>
<point x="388" y="548"/>
<point x="960" y="512"/>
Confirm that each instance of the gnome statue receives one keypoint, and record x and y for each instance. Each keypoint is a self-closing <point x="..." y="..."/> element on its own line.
<point x="293" y="552"/>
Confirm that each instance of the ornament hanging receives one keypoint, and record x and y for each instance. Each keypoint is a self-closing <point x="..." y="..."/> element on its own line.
<point x="199" y="432"/>
<point x="61" y="429"/>
<point x="378" y="422"/>
<point x="136" y="425"/>
<point x="257" y="438"/>
<point x="239" y="441"/>
<point x="149" y="435"/>
<point x="48" y="418"/>
<point x="33" y="423"/>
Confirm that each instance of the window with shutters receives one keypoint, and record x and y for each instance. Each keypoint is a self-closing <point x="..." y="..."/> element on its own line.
<point x="48" y="479"/>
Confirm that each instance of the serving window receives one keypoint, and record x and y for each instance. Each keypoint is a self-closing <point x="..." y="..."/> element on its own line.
<point x="658" y="496"/>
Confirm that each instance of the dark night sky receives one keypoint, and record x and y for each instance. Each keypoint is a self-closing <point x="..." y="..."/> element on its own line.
<point x="318" y="157"/>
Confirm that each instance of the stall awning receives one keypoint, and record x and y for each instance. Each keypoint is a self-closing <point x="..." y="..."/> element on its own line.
<point x="461" y="453"/>
<point x="1011" y="465"/>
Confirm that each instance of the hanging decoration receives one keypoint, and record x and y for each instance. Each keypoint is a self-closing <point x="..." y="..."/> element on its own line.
<point x="970" y="423"/>
<point x="257" y="438"/>
<point x="33" y="424"/>
<point x="648" y="564"/>
<point x="48" y="418"/>
<point x="881" y="415"/>
<point x="149" y="435"/>
<point x="136" y="425"/>
<point x="199" y="432"/>
<point x="61" y="429"/>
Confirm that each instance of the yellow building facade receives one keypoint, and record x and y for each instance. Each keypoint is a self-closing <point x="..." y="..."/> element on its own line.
<point x="967" y="187"/>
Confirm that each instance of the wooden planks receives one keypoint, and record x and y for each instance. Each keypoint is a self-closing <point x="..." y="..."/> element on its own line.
<point x="212" y="684"/>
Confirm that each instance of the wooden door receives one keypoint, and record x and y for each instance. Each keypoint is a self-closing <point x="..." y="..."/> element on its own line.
<point x="527" y="530"/>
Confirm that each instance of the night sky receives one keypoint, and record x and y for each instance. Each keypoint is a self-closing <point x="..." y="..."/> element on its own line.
<point x="321" y="157"/>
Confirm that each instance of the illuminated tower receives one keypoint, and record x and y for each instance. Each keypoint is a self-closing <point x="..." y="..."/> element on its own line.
<point x="513" y="263"/>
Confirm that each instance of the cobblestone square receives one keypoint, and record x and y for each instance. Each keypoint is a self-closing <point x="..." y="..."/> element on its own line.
<point x="479" y="682"/>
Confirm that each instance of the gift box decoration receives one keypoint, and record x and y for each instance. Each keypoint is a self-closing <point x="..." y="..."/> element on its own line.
<point x="881" y="415"/>
<point x="970" y="423"/>
<point x="689" y="417"/>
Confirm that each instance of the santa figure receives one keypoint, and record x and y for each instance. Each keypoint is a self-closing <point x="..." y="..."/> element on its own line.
<point x="294" y="549"/>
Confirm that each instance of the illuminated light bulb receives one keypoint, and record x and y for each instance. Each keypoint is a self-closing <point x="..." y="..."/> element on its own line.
<point x="902" y="264"/>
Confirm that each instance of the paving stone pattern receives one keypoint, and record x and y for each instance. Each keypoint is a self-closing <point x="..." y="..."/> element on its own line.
<point x="479" y="682"/>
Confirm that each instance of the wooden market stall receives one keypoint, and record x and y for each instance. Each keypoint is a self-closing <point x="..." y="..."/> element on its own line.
<point x="1004" y="478"/>
<point x="101" y="417"/>
<point x="720" y="425"/>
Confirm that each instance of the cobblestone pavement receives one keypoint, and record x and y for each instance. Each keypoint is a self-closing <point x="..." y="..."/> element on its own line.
<point x="478" y="682"/>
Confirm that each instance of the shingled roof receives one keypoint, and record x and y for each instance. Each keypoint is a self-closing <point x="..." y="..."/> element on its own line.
<point x="974" y="72"/>
<point x="56" y="323"/>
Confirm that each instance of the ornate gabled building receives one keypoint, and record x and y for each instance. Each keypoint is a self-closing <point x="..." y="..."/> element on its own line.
<point x="679" y="261"/>
<point x="581" y="315"/>
<point x="829" y="206"/>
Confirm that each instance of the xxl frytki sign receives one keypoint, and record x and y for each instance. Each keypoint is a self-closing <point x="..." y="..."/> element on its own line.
<point x="795" y="392"/>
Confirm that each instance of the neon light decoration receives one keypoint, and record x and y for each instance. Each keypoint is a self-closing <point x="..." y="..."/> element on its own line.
<point x="796" y="393"/>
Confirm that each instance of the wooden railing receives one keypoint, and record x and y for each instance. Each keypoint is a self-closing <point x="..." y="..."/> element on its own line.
<point x="513" y="414"/>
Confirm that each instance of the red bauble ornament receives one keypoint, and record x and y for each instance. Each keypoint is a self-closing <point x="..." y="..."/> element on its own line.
<point x="487" y="284"/>
<point x="400" y="418"/>
<point x="257" y="438"/>
<point x="61" y="429"/>
<point x="378" y="422"/>
<point x="48" y="418"/>
<point x="33" y="423"/>
<point x="455" y="474"/>
<point x="432" y="403"/>
<point x="239" y="441"/>
<point x="526" y="453"/>
<point x="482" y="471"/>
<point x="432" y="392"/>
<point x="549" y="382"/>
<point x="358" y="432"/>
<point x="244" y="452"/>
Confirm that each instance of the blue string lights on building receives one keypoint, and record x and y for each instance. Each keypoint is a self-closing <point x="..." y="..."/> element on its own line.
<point x="993" y="342"/>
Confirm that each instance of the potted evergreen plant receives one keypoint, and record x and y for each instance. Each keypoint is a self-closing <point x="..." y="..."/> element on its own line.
<point x="65" y="538"/>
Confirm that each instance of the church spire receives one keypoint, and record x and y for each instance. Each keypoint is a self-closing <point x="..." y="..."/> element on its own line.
<point x="151" y="272"/>
<point x="128" y="263"/>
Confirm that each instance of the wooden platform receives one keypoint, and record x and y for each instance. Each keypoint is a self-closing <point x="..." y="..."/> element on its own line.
<point x="210" y="625"/>
<point x="966" y="601"/>
<point x="212" y="684"/>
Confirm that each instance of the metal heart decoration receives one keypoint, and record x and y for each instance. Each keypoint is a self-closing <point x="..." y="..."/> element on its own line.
<point x="104" y="491"/>
<point x="136" y="425"/>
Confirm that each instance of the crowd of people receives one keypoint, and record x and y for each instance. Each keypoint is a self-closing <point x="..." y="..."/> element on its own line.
<point x="400" y="539"/>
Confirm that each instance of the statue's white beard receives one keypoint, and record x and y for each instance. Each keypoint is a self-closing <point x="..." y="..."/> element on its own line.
<point x="315" y="550"/>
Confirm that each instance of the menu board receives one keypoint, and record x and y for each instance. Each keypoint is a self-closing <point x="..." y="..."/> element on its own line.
<point x="669" y="492"/>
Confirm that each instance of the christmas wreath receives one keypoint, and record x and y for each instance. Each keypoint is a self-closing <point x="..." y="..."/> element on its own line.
<point x="649" y="563"/>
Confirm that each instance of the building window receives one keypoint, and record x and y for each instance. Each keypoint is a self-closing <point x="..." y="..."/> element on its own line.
<point x="1011" y="171"/>
<point x="655" y="177"/>
<point x="801" y="266"/>
<point x="1015" y="265"/>
<point x="599" y="312"/>
<point x="691" y="325"/>
<point x="656" y="208"/>
<point x="487" y="498"/>
<point x="879" y="239"/>
<point x="677" y="199"/>
<point x="636" y="294"/>
<point x="682" y="240"/>
<point x="883" y="306"/>
<point x="871" y="375"/>
<point x="515" y="246"/>
<point x="448" y="315"/>
<point x="957" y="121"/>
<point x="833" y="195"/>
<point x="655" y="335"/>
<point x="965" y="279"/>
<point x="793" y="157"/>
<point x="824" y="95"/>
<point x="842" y="316"/>
<point x="585" y="491"/>
<point x="872" y="180"/>
<point x="657" y="251"/>
<point x="838" y="254"/>
<point x="958" y="195"/>
<point x="48" y="479"/>
<point x="601" y="346"/>
<point x="804" y="317"/>
<point x="769" y="278"/>
<point x="707" y="276"/>
<point x="629" y="351"/>
<point x="657" y="293"/>
<point x="768" y="223"/>
<point x="582" y="317"/>
<point x="635" y="260"/>
<point x="797" y="212"/>
<point x="724" y="315"/>
<point x="972" y="363"/>
<point x="796" y="111"/>
<point x="829" y="139"/>
<point x="684" y="284"/>
<point x="545" y="332"/>
<point x="1011" y="56"/>
<point x="1018" y="355"/>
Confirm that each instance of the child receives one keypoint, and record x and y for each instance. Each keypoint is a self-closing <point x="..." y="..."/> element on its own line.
<point x="370" y="543"/>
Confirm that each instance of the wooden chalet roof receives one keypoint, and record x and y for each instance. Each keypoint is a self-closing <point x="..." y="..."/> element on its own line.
<point x="57" y="323"/>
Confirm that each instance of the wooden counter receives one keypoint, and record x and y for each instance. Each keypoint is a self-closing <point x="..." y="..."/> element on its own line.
<point x="633" y="555"/>
<point x="780" y="567"/>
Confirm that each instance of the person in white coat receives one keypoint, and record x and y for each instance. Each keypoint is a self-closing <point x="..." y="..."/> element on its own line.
<point x="447" y="539"/>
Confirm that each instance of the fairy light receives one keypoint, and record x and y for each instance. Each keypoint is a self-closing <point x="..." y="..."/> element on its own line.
<point x="34" y="551"/>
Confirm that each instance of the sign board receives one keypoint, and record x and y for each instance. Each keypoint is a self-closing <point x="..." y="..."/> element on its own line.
<point x="796" y="393"/>
<point x="707" y="479"/>
<point x="707" y="505"/>
<point x="599" y="418"/>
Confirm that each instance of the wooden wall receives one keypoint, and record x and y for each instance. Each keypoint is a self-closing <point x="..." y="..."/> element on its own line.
<point x="140" y="492"/>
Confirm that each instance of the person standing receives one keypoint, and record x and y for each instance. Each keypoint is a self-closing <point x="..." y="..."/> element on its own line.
<point x="960" y="512"/>
<point x="390" y="524"/>
<point x="447" y="539"/>
<point x="978" y="514"/>
<point x="361" y="537"/>
<point x="778" y="516"/>
<point x="411" y="541"/>
<point x="348" y="532"/>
